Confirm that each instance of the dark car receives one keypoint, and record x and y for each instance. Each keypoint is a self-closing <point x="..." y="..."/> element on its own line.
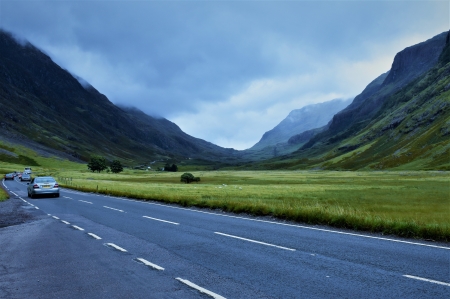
<point x="9" y="176"/>
<point x="25" y="177"/>
<point x="45" y="185"/>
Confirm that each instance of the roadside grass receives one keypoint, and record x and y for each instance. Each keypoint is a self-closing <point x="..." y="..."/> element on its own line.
<point x="3" y="195"/>
<point x="407" y="204"/>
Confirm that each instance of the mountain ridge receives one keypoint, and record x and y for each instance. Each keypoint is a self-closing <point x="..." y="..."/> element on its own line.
<point x="301" y="120"/>
<point x="43" y="103"/>
<point x="409" y="129"/>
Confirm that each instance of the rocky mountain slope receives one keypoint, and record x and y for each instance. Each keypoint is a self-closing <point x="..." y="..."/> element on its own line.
<point x="401" y="120"/>
<point x="43" y="104"/>
<point x="301" y="120"/>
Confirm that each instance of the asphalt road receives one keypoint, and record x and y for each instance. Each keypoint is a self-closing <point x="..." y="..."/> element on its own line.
<point x="84" y="245"/>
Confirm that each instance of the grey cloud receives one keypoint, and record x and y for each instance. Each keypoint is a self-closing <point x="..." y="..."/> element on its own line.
<point x="174" y="56"/>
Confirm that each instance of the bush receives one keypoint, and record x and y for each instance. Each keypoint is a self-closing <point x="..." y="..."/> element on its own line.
<point x="97" y="164"/>
<point x="188" y="178"/>
<point x="116" y="166"/>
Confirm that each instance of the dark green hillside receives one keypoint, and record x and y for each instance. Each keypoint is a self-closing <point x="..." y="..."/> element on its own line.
<point x="44" y="105"/>
<point x="409" y="128"/>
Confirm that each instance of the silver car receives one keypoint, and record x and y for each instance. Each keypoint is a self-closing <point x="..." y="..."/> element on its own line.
<point x="45" y="185"/>
<point x="25" y="177"/>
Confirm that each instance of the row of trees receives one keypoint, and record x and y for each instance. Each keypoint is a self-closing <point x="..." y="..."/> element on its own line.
<point x="98" y="164"/>
<point x="172" y="168"/>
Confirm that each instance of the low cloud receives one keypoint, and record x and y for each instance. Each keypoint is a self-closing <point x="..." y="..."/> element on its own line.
<point x="224" y="71"/>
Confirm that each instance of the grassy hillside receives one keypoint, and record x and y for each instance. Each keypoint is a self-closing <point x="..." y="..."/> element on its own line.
<point x="411" y="131"/>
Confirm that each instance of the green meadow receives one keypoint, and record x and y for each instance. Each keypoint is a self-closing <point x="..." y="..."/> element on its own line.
<point x="412" y="204"/>
<point x="407" y="204"/>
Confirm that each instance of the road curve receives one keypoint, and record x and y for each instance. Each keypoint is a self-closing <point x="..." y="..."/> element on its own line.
<point x="98" y="246"/>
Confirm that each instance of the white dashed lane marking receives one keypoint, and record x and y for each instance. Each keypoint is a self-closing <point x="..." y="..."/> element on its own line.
<point x="254" y="241"/>
<point x="199" y="288"/>
<point x="116" y="247"/>
<point x="161" y="220"/>
<point x="113" y="209"/>
<point x="85" y="201"/>
<point x="77" y="227"/>
<point x="65" y="222"/>
<point x="94" y="236"/>
<point x="147" y="263"/>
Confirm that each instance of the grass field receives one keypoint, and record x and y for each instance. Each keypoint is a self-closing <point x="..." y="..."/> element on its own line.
<point x="413" y="204"/>
<point x="408" y="204"/>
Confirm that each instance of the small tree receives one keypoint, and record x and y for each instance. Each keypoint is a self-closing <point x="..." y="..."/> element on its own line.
<point x="172" y="168"/>
<point x="97" y="164"/>
<point x="188" y="178"/>
<point x="116" y="166"/>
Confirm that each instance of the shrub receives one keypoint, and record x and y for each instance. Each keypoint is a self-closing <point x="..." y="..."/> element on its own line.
<point x="188" y="178"/>
<point x="116" y="166"/>
<point x="97" y="164"/>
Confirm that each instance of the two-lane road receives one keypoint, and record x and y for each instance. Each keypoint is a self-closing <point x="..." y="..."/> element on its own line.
<point x="185" y="253"/>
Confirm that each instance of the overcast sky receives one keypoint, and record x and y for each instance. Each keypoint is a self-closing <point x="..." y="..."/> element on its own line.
<point x="224" y="71"/>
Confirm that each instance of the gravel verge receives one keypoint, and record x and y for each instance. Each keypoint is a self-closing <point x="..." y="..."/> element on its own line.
<point x="14" y="211"/>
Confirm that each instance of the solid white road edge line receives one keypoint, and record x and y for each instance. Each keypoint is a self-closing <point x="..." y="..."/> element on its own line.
<point x="14" y="193"/>
<point x="254" y="241"/>
<point x="85" y="201"/>
<point x="77" y="227"/>
<point x="147" y="263"/>
<point x="55" y="217"/>
<point x="161" y="220"/>
<point x="298" y="226"/>
<point x="94" y="236"/>
<point x="301" y="226"/>
<point x="113" y="209"/>
<point x="428" y="280"/>
<point x="65" y="222"/>
<point x="116" y="247"/>
<point x="199" y="288"/>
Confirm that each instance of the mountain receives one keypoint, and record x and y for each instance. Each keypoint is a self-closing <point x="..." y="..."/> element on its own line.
<point x="408" y="65"/>
<point x="401" y="120"/>
<point x="43" y="105"/>
<point x="301" y="120"/>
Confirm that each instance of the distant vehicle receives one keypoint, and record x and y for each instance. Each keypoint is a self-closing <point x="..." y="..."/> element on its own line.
<point x="9" y="176"/>
<point x="25" y="177"/>
<point x="45" y="185"/>
<point x="27" y="170"/>
<point x="19" y="175"/>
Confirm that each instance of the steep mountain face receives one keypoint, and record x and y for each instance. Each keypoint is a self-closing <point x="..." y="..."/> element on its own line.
<point x="408" y="65"/>
<point x="301" y="120"/>
<point x="410" y="128"/>
<point x="42" y="103"/>
<point x="415" y="60"/>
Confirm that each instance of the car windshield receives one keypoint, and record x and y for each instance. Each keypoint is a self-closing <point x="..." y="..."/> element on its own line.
<point x="44" y="180"/>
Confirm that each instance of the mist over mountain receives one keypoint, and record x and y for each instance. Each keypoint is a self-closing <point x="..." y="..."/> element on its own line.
<point x="301" y="120"/>
<point x="44" y="105"/>
<point x="401" y="119"/>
